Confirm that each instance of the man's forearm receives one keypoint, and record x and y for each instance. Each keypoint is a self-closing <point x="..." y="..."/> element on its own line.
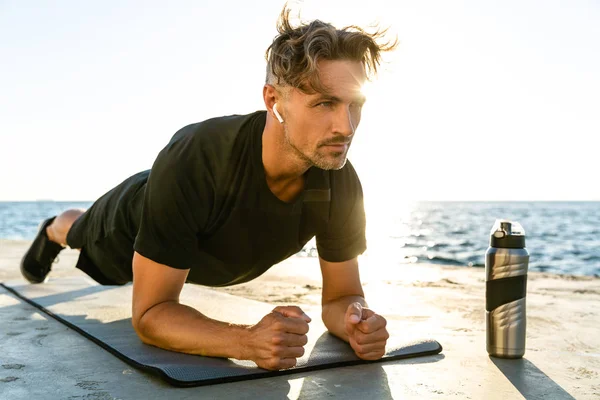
<point x="334" y="312"/>
<point x="180" y="328"/>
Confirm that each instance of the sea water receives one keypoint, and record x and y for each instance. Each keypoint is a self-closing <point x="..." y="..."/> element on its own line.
<point x="562" y="237"/>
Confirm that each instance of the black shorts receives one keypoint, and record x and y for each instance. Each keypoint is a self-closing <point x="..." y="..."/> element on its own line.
<point x="106" y="232"/>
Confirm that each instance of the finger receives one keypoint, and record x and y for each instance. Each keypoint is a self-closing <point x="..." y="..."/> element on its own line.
<point x="376" y="355"/>
<point x="286" y="363"/>
<point x="277" y="363"/>
<point x="292" y="312"/>
<point x="361" y="349"/>
<point x="372" y="324"/>
<point x="295" y="352"/>
<point x="290" y="339"/>
<point x="381" y="335"/>
<point x="367" y="313"/>
<point x="294" y="325"/>
<point x="353" y="316"/>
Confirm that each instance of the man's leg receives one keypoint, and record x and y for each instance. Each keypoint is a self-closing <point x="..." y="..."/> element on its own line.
<point x="59" y="228"/>
<point x="102" y="253"/>
<point x="50" y="240"/>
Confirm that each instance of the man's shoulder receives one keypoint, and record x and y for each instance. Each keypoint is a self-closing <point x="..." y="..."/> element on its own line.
<point x="203" y="151"/>
<point x="215" y="130"/>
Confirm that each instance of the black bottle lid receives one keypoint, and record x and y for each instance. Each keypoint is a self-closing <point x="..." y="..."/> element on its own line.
<point x="507" y="235"/>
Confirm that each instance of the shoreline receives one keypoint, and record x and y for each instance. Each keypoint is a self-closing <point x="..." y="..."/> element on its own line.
<point x="25" y="243"/>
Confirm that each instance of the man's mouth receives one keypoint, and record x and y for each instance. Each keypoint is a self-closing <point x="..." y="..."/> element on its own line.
<point x="344" y="144"/>
<point x="338" y="147"/>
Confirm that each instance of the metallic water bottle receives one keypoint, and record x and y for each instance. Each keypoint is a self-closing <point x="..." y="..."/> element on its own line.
<point x="506" y="263"/>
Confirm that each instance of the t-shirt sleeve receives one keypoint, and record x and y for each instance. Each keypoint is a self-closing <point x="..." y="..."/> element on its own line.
<point x="177" y="202"/>
<point x="344" y="237"/>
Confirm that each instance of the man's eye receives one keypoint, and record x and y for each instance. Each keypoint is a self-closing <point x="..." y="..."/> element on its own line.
<point x="326" y="104"/>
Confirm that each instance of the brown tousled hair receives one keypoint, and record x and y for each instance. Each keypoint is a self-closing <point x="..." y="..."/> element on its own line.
<point x="293" y="56"/>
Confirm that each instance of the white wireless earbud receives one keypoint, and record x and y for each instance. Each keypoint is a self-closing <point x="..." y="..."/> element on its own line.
<point x="277" y="113"/>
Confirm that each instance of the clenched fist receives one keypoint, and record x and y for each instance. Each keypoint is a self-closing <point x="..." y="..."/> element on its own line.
<point x="279" y="338"/>
<point x="367" y="333"/>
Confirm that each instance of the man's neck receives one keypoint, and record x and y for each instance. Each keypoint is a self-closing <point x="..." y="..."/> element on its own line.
<point x="284" y="172"/>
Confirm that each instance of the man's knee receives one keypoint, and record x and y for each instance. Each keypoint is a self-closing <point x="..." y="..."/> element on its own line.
<point x="59" y="228"/>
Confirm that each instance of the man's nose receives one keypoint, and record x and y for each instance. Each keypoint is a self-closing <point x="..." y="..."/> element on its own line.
<point x="345" y="121"/>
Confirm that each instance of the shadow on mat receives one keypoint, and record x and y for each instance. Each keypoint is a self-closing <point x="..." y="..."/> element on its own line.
<point x="53" y="299"/>
<point x="530" y="380"/>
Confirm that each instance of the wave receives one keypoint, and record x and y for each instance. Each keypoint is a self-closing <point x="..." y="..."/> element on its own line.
<point x="439" y="246"/>
<point x="414" y="245"/>
<point x="442" y="260"/>
<point x="591" y="258"/>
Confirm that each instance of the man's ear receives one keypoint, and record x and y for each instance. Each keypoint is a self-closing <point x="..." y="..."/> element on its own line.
<point x="270" y="96"/>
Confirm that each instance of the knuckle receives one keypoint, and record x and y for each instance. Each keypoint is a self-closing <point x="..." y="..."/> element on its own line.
<point x="304" y="340"/>
<point x="301" y="352"/>
<point x="277" y="339"/>
<point x="277" y="351"/>
<point x="277" y="325"/>
<point x="270" y="318"/>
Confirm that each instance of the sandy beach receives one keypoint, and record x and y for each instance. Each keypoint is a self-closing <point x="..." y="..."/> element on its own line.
<point x="447" y="303"/>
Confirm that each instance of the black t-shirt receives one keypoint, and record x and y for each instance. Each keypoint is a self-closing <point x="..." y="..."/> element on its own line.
<point x="207" y="206"/>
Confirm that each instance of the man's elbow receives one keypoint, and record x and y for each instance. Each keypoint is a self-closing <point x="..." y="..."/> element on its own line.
<point x="140" y="326"/>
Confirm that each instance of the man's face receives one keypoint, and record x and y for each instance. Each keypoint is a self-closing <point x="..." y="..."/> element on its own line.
<point x="320" y="127"/>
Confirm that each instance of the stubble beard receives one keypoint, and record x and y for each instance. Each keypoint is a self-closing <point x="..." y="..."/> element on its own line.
<point x="317" y="159"/>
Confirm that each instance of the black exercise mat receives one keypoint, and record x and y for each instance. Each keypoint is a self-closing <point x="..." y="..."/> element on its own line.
<point x="103" y="314"/>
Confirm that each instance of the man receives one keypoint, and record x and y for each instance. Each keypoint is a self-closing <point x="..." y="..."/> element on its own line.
<point x="229" y="197"/>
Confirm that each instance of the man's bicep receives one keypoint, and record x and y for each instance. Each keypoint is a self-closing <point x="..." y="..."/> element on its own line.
<point x="154" y="283"/>
<point x="340" y="279"/>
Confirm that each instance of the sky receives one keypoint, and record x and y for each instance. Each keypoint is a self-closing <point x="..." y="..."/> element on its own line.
<point x="482" y="100"/>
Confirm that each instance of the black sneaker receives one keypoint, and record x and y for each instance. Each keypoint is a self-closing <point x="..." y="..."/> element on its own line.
<point x="37" y="262"/>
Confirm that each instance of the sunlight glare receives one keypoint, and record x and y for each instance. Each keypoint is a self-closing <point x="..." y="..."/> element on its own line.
<point x="383" y="232"/>
<point x="343" y="12"/>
